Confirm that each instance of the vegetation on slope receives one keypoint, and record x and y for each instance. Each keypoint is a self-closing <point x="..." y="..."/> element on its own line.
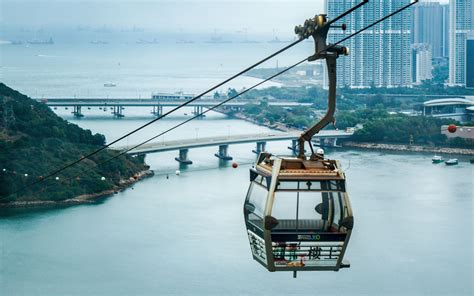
<point x="379" y="126"/>
<point x="34" y="142"/>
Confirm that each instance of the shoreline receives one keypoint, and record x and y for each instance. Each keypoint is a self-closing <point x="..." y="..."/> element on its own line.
<point x="409" y="148"/>
<point x="276" y="126"/>
<point x="90" y="198"/>
<point x="368" y="146"/>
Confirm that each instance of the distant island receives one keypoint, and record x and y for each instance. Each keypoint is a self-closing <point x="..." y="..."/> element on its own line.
<point x="34" y="142"/>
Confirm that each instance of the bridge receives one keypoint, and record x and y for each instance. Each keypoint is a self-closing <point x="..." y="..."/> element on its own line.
<point x="117" y="105"/>
<point x="223" y="143"/>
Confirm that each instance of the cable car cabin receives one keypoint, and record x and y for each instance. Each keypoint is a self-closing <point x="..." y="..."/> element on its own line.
<point x="297" y="213"/>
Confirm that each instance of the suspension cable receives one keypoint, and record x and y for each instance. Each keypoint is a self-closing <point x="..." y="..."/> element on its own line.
<point x="267" y="79"/>
<point x="202" y="113"/>
<point x="202" y="94"/>
<point x="172" y="128"/>
<point x="377" y="22"/>
<point x="167" y="113"/>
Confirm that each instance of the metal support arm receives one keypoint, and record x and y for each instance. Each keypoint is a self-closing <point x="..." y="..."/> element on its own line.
<point x="329" y="117"/>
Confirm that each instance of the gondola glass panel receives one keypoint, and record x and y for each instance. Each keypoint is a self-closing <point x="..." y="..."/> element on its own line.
<point x="297" y="224"/>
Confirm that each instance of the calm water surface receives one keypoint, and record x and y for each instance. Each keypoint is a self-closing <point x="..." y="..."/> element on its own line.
<point x="185" y="235"/>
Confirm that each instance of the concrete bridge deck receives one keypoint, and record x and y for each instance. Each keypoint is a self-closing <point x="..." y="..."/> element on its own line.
<point x="224" y="141"/>
<point x="117" y="105"/>
<point x="94" y="102"/>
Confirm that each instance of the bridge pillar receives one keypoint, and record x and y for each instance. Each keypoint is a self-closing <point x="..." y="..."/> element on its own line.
<point x="183" y="157"/>
<point x="260" y="147"/>
<point x="223" y="153"/>
<point x="118" y="112"/>
<point x="198" y="110"/>
<point x="77" y="111"/>
<point x="294" y="146"/>
<point x="330" y="142"/>
<point x="157" y="110"/>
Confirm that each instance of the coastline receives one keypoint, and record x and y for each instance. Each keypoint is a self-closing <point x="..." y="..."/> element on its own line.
<point x="409" y="148"/>
<point x="368" y="146"/>
<point x="80" y="199"/>
<point x="276" y="126"/>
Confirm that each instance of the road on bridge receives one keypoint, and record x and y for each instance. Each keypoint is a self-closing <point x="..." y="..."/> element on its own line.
<point x="227" y="140"/>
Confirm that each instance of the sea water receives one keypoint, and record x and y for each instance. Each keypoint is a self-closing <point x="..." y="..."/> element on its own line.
<point x="185" y="235"/>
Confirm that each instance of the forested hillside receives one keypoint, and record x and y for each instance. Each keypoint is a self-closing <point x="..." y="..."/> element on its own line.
<point x="34" y="141"/>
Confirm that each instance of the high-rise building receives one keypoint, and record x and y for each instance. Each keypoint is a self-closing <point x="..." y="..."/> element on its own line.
<point x="445" y="42"/>
<point x="470" y="61"/>
<point x="430" y="26"/>
<point x="380" y="56"/>
<point x="422" y="65"/>
<point x="461" y="25"/>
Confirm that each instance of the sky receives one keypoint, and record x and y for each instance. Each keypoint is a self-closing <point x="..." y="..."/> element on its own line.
<point x="189" y="15"/>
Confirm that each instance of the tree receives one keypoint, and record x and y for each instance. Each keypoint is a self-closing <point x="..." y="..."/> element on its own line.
<point x="231" y="92"/>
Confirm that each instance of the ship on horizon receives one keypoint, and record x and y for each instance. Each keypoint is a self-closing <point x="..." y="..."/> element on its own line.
<point x="98" y="42"/>
<point x="50" y="41"/>
<point x="144" y="41"/>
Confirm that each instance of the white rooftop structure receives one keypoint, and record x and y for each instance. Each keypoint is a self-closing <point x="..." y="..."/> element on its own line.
<point x="460" y="109"/>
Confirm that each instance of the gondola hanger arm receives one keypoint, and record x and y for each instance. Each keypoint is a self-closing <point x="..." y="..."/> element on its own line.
<point x="318" y="28"/>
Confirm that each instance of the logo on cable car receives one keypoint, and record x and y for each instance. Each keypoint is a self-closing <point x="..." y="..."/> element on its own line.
<point x="311" y="237"/>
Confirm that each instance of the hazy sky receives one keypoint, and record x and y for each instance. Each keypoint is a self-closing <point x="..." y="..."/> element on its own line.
<point x="258" y="16"/>
<point x="190" y="15"/>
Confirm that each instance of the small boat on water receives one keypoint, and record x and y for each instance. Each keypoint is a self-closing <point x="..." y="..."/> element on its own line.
<point x="471" y="161"/>
<point x="452" y="161"/>
<point x="437" y="159"/>
<point x="110" y="85"/>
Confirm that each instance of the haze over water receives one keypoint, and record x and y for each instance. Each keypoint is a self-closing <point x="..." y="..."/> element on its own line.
<point x="185" y="235"/>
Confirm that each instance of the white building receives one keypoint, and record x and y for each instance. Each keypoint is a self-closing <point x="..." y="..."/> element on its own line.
<point x="422" y="64"/>
<point x="461" y="25"/>
<point x="380" y="56"/>
<point x="460" y="108"/>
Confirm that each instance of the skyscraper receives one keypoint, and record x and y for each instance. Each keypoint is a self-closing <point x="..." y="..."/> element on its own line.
<point x="421" y="63"/>
<point x="470" y="61"/>
<point x="445" y="8"/>
<point x="461" y="24"/>
<point x="430" y="26"/>
<point x="380" y="56"/>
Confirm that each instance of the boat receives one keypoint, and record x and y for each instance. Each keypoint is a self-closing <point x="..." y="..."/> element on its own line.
<point x="452" y="161"/>
<point x="218" y="40"/>
<point x="437" y="159"/>
<point x="184" y="41"/>
<point x="277" y="40"/>
<point x="143" y="41"/>
<point x="41" y="42"/>
<point x="110" y="85"/>
<point x="98" y="42"/>
<point x="471" y="161"/>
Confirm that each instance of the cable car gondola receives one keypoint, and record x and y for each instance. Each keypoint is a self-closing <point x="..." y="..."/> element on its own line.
<point x="297" y="211"/>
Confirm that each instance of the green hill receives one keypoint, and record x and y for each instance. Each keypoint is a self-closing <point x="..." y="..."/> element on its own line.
<point x="34" y="141"/>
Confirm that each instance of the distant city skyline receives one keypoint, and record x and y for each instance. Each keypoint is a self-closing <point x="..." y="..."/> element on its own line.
<point x="166" y="16"/>
<point x="194" y="16"/>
